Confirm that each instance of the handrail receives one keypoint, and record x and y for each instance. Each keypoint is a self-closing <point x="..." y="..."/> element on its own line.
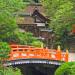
<point x="26" y="52"/>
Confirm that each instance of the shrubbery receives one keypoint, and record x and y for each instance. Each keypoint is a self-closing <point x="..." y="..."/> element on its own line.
<point x="66" y="69"/>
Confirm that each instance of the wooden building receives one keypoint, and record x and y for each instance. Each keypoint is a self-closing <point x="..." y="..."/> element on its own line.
<point x="34" y="20"/>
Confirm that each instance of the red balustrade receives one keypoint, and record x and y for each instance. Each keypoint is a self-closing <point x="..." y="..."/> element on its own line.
<point x="29" y="52"/>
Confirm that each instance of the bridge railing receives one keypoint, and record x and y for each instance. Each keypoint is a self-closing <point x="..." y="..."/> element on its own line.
<point x="29" y="52"/>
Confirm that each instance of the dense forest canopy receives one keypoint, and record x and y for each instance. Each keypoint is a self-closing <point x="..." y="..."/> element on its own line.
<point x="62" y="16"/>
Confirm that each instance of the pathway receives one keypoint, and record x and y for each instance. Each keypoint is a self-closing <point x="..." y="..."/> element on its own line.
<point x="71" y="56"/>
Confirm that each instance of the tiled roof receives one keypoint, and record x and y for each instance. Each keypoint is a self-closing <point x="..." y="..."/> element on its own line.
<point x="26" y="14"/>
<point x="31" y="7"/>
<point x="25" y="20"/>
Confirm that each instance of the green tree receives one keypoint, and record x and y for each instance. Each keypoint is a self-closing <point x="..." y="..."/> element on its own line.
<point x="26" y="38"/>
<point x="4" y="54"/>
<point x="7" y="27"/>
<point x="10" y="71"/>
<point x="4" y="50"/>
<point x="60" y="13"/>
<point x="66" y="69"/>
<point x="11" y="5"/>
<point x="37" y="43"/>
<point x="7" y="18"/>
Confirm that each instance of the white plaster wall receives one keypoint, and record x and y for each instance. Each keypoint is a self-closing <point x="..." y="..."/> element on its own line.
<point x="40" y="24"/>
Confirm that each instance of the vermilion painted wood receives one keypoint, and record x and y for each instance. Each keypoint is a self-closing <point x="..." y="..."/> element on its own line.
<point x="29" y="52"/>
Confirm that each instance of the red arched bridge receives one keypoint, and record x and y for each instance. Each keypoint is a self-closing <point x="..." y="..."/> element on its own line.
<point x="22" y="54"/>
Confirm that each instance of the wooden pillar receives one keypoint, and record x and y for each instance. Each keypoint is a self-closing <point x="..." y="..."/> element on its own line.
<point x="58" y="53"/>
<point x="66" y="56"/>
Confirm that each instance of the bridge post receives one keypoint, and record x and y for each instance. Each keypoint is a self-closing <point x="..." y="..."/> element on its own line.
<point x="66" y="56"/>
<point x="58" y="53"/>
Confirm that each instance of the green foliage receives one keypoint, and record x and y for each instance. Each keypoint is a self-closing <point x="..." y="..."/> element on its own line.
<point x="10" y="71"/>
<point x="11" y="5"/>
<point x="26" y="38"/>
<point x="4" y="50"/>
<point x="37" y="43"/>
<point x="1" y="72"/>
<point x="4" y="53"/>
<point x="7" y="18"/>
<point x="60" y="13"/>
<point x="9" y="31"/>
<point x="7" y="27"/>
<point x="66" y="69"/>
